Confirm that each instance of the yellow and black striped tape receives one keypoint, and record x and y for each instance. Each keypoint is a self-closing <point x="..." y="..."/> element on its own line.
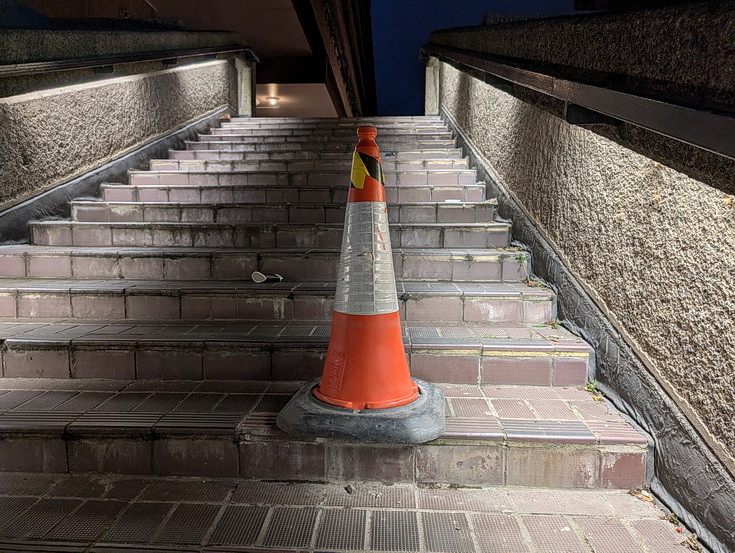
<point x="363" y="166"/>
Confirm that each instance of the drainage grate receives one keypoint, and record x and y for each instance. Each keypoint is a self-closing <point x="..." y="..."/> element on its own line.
<point x="394" y="531"/>
<point x="138" y="524"/>
<point x="499" y="534"/>
<point x="290" y="527"/>
<point x="188" y="524"/>
<point x="41" y="518"/>
<point x="240" y="525"/>
<point x="342" y="529"/>
<point x="187" y="490"/>
<point x="93" y="518"/>
<point x="447" y="532"/>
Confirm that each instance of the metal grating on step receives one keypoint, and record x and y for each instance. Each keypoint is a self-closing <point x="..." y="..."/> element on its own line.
<point x="465" y="500"/>
<point x="40" y="518"/>
<point x="187" y="490"/>
<point x="188" y="423"/>
<point x="457" y="332"/>
<point x="272" y="403"/>
<point x="447" y="532"/>
<point x="296" y="331"/>
<point x="199" y="403"/>
<point x="532" y="431"/>
<point x="322" y="331"/>
<point x="499" y="534"/>
<point x="159" y="402"/>
<point x="471" y="407"/>
<point x="103" y="422"/>
<point x="138" y="524"/>
<point x="552" y="534"/>
<point x="79" y="485"/>
<point x="44" y="421"/>
<point x="342" y="529"/>
<point x="125" y="488"/>
<point x="123" y="402"/>
<point x="394" y="531"/>
<point x="470" y="429"/>
<point x="277" y="493"/>
<point x="11" y="507"/>
<point x="290" y="527"/>
<point x="236" y="403"/>
<point x="93" y="518"/>
<point x="420" y="332"/>
<point x="380" y="497"/>
<point x="46" y="401"/>
<point x="188" y="524"/>
<point x="83" y="401"/>
<point x="27" y="483"/>
<point x="14" y="398"/>
<point x="553" y="501"/>
<point x="240" y="525"/>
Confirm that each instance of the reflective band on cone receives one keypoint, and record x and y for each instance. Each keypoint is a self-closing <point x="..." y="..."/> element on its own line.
<point x="366" y="365"/>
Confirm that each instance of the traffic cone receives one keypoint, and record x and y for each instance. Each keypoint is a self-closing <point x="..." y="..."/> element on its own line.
<point x="366" y="391"/>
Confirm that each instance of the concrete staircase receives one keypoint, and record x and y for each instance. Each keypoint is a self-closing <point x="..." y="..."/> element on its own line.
<point x="135" y="342"/>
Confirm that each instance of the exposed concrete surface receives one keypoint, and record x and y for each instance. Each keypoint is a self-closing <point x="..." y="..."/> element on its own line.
<point x="681" y="52"/>
<point x="52" y="136"/>
<point x="656" y="249"/>
<point x="24" y="46"/>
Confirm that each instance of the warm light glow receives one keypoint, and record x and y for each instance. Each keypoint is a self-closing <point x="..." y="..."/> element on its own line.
<point x="272" y="100"/>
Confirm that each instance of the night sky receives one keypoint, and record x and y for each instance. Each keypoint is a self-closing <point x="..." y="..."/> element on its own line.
<point x="400" y="27"/>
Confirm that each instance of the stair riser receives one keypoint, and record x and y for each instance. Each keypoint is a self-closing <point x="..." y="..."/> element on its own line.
<point x="244" y="162"/>
<point x="244" y="305"/>
<point x="295" y="150"/>
<point x="265" y="213"/>
<point x="248" y="143"/>
<point x="294" y="266"/>
<point x="389" y="159"/>
<point x="278" y="361"/>
<point x="492" y="463"/>
<point x="332" y="178"/>
<point x="277" y="195"/>
<point x="256" y="236"/>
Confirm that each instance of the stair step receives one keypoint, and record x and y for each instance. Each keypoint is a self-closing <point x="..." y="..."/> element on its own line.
<point x="357" y="121"/>
<point x="388" y="158"/>
<point x="385" y="133"/>
<point x="224" y="173"/>
<point x="494" y="436"/>
<point x="330" y="123"/>
<point x="337" y="150"/>
<point x="280" y="301"/>
<point x="419" y="212"/>
<point x="458" y="265"/>
<point x="247" y="143"/>
<point x="266" y="193"/>
<point x="498" y="354"/>
<point x="240" y="161"/>
<point x="253" y="235"/>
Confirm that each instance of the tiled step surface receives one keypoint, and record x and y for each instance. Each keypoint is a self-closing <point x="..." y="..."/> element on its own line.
<point x="51" y="512"/>
<point x="395" y="133"/>
<point x="459" y="265"/>
<point x="266" y="193"/>
<point x="541" y="437"/>
<point x="235" y="161"/>
<point x="156" y="212"/>
<point x="390" y="159"/>
<point x="224" y="173"/>
<point x="246" y="300"/>
<point x="260" y="235"/>
<point x="503" y="354"/>
<point x="247" y="144"/>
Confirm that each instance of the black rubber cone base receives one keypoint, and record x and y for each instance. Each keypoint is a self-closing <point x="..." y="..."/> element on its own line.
<point x="417" y="422"/>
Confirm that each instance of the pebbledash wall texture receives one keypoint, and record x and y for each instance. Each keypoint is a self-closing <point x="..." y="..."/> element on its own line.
<point x="653" y="247"/>
<point x="51" y="136"/>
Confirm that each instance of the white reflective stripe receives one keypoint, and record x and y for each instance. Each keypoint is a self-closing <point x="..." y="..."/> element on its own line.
<point x="366" y="282"/>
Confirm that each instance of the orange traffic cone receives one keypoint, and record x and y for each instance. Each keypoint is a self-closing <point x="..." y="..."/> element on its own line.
<point x="366" y="391"/>
<point x="366" y="365"/>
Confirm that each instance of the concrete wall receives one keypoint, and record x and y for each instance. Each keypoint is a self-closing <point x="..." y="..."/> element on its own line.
<point x="655" y="250"/>
<point x="51" y="136"/>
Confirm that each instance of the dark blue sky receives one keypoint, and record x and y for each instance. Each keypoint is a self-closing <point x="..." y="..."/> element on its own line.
<point x="400" y="27"/>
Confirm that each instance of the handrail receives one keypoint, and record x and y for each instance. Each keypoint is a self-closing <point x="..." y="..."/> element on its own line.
<point x="710" y="131"/>
<point x="32" y="68"/>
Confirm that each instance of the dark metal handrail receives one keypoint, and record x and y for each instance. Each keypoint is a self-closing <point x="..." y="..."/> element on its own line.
<point x="707" y="130"/>
<point x="31" y="68"/>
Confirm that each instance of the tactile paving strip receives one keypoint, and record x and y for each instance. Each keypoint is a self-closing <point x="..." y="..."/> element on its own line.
<point x="394" y="531"/>
<point x="188" y="524"/>
<point x="138" y="524"/>
<point x="41" y="518"/>
<point x="88" y="522"/>
<point x="447" y="532"/>
<point x="240" y="525"/>
<point x="290" y="527"/>
<point x="499" y="534"/>
<point x="341" y="529"/>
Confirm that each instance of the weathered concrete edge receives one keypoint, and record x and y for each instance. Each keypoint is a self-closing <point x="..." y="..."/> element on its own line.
<point x="54" y="203"/>
<point x="688" y="477"/>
